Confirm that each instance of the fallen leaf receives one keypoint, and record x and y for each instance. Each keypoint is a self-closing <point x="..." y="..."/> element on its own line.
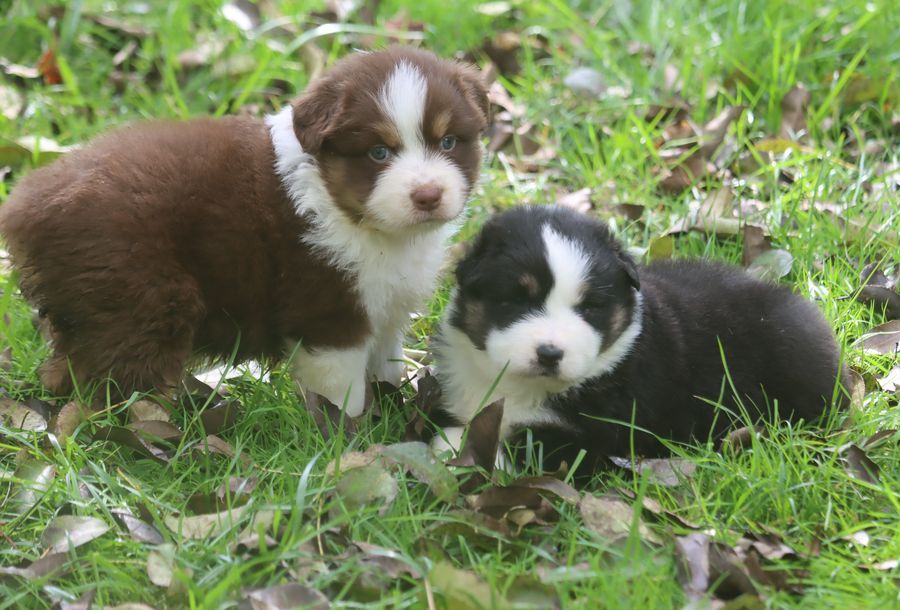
<point x="48" y="68"/>
<point x="612" y="518"/>
<point x="204" y="526"/>
<point x="221" y="416"/>
<point x="85" y="602"/>
<point x="499" y="501"/>
<point x="552" y="485"/>
<point x="237" y="486"/>
<point x="366" y="485"/>
<point x="586" y="81"/>
<point x="755" y="243"/>
<point x="771" y="265"/>
<point x="161" y="564"/>
<point x="891" y="381"/>
<point x="793" y="113"/>
<point x="64" y="424"/>
<point x="33" y="478"/>
<point x="882" y="339"/>
<point x="66" y="532"/>
<point x="6" y="355"/>
<point x="354" y="459"/>
<point x="155" y="430"/>
<point x="741" y="438"/>
<point x="11" y="102"/>
<point x="41" y="568"/>
<point x="704" y="563"/>
<point x="133" y="440"/>
<point x="482" y="439"/>
<point x="477" y="528"/>
<point x="18" y="416"/>
<point x="580" y="201"/>
<point x="667" y="472"/>
<point x="287" y="597"/>
<point x="139" y="530"/>
<point x="424" y="466"/>
<point x="212" y="444"/>
<point x="880" y="291"/>
<point x="462" y="590"/>
<point x="147" y="410"/>
<point x="861" y="466"/>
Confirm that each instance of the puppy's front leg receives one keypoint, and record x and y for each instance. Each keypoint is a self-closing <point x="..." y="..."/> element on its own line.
<point x="337" y="374"/>
<point x="386" y="360"/>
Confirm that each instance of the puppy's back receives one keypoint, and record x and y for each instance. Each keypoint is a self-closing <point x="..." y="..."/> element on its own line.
<point x="775" y="344"/>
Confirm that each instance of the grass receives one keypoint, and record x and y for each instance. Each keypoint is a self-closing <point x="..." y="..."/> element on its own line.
<point x="791" y="482"/>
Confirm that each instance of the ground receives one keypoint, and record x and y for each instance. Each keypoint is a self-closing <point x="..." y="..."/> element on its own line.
<point x="760" y="133"/>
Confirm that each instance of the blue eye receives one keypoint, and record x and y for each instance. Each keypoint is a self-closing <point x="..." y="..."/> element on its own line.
<point x="380" y="153"/>
<point x="448" y="142"/>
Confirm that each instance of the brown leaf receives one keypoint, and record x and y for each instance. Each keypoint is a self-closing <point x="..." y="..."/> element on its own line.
<point x="206" y="525"/>
<point x="482" y="439"/>
<point x="212" y="444"/>
<point x="354" y="459"/>
<point x="69" y="531"/>
<point x="477" y="528"/>
<point x="861" y="465"/>
<point x="6" y="354"/>
<point x="552" y="485"/>
<point x="46" y="65"/>
<point x="741" y="438"/>
<point x="139" y="530"/>
<point x="503" y="50"/>
<point x="21" y="415"/>
<point x="499" y="501"/>
<point x="130" y="438"/>
<point x="667" y="472"/>
<point x="704" y="563"/>
<point x="891" y="381"/>
<point x="287" y="597"/>
<point x="328" y="417"/>
<point x="793" y="113"/>
<point x="882" y="339"/>
<point x="221" y="416"/>
<point x="39" y="569"/>
<point x="64" y="424"/>
<point x="611" y="517"/>
<point x="428" y="396"/>
<point x="237" y="486"/>
<point x="755" y="243"/>
<point x="147" y="410"/>
<point x="882" y="298"/>
<point x="154" y="429"/>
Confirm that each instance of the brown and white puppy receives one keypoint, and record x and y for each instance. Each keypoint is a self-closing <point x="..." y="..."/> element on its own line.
<point x="310" y="235"/>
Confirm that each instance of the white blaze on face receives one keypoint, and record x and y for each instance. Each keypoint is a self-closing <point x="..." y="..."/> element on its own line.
<point x="402" y="100"/>
<point x="557" y="324"/>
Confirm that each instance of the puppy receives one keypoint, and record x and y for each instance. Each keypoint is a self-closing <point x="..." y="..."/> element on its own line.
<point x="310" y="235"/>
<point x="594" y="353"/>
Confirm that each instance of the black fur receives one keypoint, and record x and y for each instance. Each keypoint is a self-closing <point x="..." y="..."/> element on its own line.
<point x="695" y="316"/>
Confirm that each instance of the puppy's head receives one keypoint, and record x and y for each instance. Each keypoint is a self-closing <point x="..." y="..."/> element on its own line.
<point x="395" y="135"/>
<point x="548" y="294"/>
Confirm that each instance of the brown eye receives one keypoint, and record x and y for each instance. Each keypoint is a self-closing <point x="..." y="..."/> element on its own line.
<point x="448" y="143"/>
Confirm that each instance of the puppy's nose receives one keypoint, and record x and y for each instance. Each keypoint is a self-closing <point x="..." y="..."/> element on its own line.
<point x="427" y="197"/>
<point x="549" y="355"/>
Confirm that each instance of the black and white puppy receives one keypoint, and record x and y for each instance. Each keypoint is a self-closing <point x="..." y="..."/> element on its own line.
<point x="594" y="353"/>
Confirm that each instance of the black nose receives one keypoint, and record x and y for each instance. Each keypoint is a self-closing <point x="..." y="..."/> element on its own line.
<point x="549" y="355"/>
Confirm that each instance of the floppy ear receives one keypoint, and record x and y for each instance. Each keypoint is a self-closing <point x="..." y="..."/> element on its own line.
<point x="629" y="266"/>
<point x="470" y="81"/>
<point x="316" y="113"/>
<point x="471" y="265"/>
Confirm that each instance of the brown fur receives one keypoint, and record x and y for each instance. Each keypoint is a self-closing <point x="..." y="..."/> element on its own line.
<point x="164" y="240"/>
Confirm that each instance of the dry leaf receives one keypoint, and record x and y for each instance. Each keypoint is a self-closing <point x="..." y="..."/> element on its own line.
<point x="611" y="517"/>
<point x="882" y="339"/>
<point x="205" y="526"/>
<point x="771" y="265"/>
<point x="69" y="531"/>
<point x="138" y="529"/>
<point x="287" y="597"/>
<point x="33" y="478"/>
<point x="161" y="564"/>
<point x="793" y="113"/>
<point x="755" y="243"/>
<point x="425" y="467"/>
<point x="861" y="466"/>
<point x="365" y="486"/>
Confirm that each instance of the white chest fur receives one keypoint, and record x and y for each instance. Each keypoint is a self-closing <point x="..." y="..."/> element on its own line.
<point x="393" y="273"/>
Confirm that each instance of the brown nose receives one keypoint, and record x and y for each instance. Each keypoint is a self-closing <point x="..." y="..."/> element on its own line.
<point x="427" y="197"/>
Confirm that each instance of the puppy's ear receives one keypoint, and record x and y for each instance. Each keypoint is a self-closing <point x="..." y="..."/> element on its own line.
<point x="629" y="266"/>
<point x="470" y="267"/>
<point x="316" y="113"/>
<point x="470" y="81"/>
